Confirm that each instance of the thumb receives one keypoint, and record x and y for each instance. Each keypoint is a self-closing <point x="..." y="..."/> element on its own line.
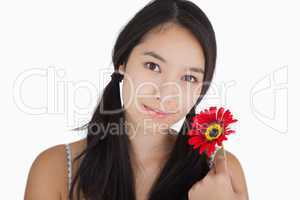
<point x="221" y="161"/>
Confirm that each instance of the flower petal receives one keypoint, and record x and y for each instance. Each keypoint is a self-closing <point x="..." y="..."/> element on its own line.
<point x="203" y="147"/>
<point x="212" y="113"/>
<point x="211" y="149"/>
<point x="220" y="114"/>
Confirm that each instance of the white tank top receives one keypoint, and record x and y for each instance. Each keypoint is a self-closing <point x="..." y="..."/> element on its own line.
<point x="69" y="164"/>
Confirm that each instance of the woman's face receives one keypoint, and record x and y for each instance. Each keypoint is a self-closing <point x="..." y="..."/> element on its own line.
<point x="164" y="72"/>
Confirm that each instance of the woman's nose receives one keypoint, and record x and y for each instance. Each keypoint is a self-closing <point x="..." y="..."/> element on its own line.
<point x="168" y="89"/>
<point x="168" y="94"/>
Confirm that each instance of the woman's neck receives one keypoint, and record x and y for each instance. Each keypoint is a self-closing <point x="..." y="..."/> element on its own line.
<point x="150" y="148"/>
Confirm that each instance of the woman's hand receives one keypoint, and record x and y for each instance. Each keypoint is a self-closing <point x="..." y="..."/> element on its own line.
<point x="225" y="181"/>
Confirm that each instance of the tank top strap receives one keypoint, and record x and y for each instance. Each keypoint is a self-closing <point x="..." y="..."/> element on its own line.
<point x="69" y="164"/>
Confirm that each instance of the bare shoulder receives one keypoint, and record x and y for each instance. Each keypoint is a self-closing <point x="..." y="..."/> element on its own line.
<point x="46" y="174"/>
<point x="47" y="177"/>
<point x="237" y="174"/>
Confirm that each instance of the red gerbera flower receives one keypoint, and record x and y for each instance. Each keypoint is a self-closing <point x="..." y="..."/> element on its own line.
<point x="210" y="128"/>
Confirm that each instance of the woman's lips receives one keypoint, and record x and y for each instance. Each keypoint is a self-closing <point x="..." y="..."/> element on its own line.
<point x="155" y="111"/>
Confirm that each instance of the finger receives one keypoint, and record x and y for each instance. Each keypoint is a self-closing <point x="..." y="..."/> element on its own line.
<point x="221" y="161"/>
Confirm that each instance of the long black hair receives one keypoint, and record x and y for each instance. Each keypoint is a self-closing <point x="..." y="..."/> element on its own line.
<point x="105" y="171"/>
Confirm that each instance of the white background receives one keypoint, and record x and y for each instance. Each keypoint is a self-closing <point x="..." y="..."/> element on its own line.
<point x="52" y="54"/>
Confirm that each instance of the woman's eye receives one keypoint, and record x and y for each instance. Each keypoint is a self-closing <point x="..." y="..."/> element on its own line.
<point x="190" y="78"/>
<point x="152" y="66"/>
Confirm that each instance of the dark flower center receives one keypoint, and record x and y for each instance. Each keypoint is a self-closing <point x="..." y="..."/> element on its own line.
<point x="214" y="133"/>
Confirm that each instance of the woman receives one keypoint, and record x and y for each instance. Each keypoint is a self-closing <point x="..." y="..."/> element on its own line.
<point x="166" y="57"/>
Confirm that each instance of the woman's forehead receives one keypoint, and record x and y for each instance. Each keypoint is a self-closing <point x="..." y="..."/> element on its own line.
<point x="176" y="46"/>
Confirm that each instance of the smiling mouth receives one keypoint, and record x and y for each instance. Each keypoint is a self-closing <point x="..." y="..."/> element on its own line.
<point x="156" y="111"/>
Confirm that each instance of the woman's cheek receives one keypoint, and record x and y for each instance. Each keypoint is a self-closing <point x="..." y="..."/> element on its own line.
<point x="194" y="94"/>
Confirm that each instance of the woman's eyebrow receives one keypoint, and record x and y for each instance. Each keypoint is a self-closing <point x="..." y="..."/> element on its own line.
<point x="155" y="55"/>
<point x="194" y="69"/>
